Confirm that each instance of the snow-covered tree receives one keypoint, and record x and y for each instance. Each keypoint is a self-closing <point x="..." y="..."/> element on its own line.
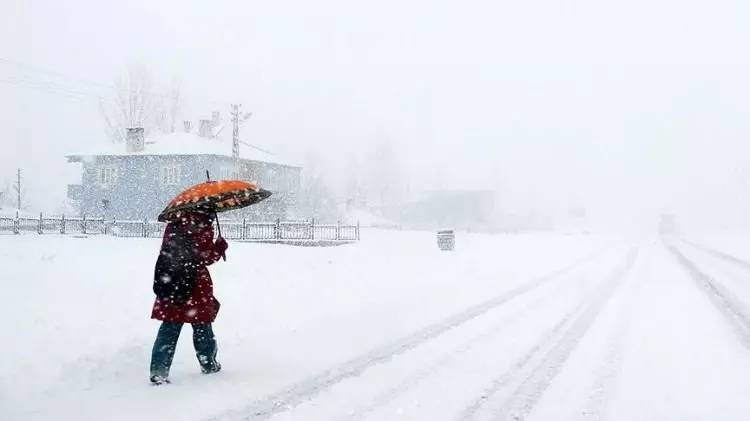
<point x="384" y="176"/>
<point x="353" y="188"/>
<point x="315" y="197"/>
<point x="139" y="102"/>
<point x="172" y="103"/>
<point x="5" y="193"/>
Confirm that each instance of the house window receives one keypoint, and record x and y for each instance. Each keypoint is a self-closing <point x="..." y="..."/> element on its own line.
<point x="107" y="176"/>
<point x="170" y="175"/>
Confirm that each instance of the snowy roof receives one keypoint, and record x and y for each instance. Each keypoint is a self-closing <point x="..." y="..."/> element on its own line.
<point x="192" y="144"/>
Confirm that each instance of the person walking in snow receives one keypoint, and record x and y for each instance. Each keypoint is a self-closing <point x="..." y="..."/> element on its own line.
<point x="184" y="291"/>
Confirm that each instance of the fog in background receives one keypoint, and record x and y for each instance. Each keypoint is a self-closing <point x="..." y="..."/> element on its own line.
<point x="626" y="109"/>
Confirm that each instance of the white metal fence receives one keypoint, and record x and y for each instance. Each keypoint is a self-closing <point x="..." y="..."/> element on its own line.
<point x="230" y="229"/>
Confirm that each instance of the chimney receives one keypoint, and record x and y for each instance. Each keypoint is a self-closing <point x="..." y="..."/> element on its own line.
<point x="215" y="118"/>
<point x="134" y="139"/>
<point x="188" y="124"/>
<point x="205" y="129"/>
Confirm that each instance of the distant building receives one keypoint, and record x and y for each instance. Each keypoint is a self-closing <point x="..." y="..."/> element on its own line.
<point x="135" y="180"/>
<point x="456" y="209"/>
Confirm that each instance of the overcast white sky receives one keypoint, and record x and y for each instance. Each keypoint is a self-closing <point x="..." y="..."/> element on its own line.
<point x="627" y="107"/>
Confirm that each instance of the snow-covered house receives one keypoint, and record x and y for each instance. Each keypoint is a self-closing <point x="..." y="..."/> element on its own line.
<point x="135" y="180"/>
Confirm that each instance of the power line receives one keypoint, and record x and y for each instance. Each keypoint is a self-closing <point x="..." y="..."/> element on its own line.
<point x="32" y="79"/>
<point x="49" y="87"/>
<point x="53" y="72"/>
<point x="257" y="147"/>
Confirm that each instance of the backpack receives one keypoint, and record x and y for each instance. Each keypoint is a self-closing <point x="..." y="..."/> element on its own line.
<point x="177" y="267"/>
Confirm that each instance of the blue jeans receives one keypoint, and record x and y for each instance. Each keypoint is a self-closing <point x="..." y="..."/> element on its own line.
<point x="166" y="343"/>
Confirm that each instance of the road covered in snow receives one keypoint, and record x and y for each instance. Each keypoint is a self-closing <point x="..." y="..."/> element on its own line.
<point x="534" y="327"/>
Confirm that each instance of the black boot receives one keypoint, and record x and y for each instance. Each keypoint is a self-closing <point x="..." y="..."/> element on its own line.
<point x="159" y="380"/>
<point x="214" y="367"/>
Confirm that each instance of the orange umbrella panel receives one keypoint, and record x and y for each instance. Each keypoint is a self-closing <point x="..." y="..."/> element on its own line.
<point x="215" y="196"/>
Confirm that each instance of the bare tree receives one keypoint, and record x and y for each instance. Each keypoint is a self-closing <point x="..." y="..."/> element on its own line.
<point x="137" y="103"/>
<point x="316" y="199"/>
<point x="353" y="188"/>
<point x="5" y="194"/>
<point x="11" y="192"/>
<point x="173" y="103"/>
<point x="384" y="175"/>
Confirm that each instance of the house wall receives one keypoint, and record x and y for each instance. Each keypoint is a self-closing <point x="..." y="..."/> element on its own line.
<point x="139" y="190"/>
<point x="283" y="181"/>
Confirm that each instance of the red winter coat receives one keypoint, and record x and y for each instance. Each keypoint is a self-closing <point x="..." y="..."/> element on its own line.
<point x="202" y="307"/>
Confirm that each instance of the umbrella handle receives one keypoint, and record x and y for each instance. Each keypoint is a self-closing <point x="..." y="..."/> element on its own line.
<point x="218" y="226"/>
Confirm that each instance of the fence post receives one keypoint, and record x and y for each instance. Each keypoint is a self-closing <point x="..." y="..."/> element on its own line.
<point x="244" y="228"/>
<point x="16" y="225"/>
<point x="40" y="223"/>
<point x="312" y="229"/>
<point x="357" y="231"/>
<point x="277" y="229"/>
<point x="84" y="223"/>
<point x="338" y="230"/>
<point x="145" y="228"/>
<point x="62" y="224"/>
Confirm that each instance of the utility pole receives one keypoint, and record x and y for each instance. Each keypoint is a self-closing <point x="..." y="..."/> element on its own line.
<point x="236" y="131"/>
<point x="236" y="120"/>
<point x="17" y="187"/>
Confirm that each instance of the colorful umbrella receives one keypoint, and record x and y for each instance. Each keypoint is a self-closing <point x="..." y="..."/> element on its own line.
<point x="214" y="196"/>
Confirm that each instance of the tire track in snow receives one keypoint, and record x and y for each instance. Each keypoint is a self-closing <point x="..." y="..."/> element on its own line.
<point x="518" y="365"/>
<point x="520" y="403"/>
<point x="309" y="388"/>
<point x="720" y="254"/>
<point x="606" y="374"/>
<point x="392" y="393"/>
<point x="736" y="314"/>
<point x="599" y="396"/>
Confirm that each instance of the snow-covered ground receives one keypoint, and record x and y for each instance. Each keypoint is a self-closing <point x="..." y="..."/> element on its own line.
<point x="533" y="326"/>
